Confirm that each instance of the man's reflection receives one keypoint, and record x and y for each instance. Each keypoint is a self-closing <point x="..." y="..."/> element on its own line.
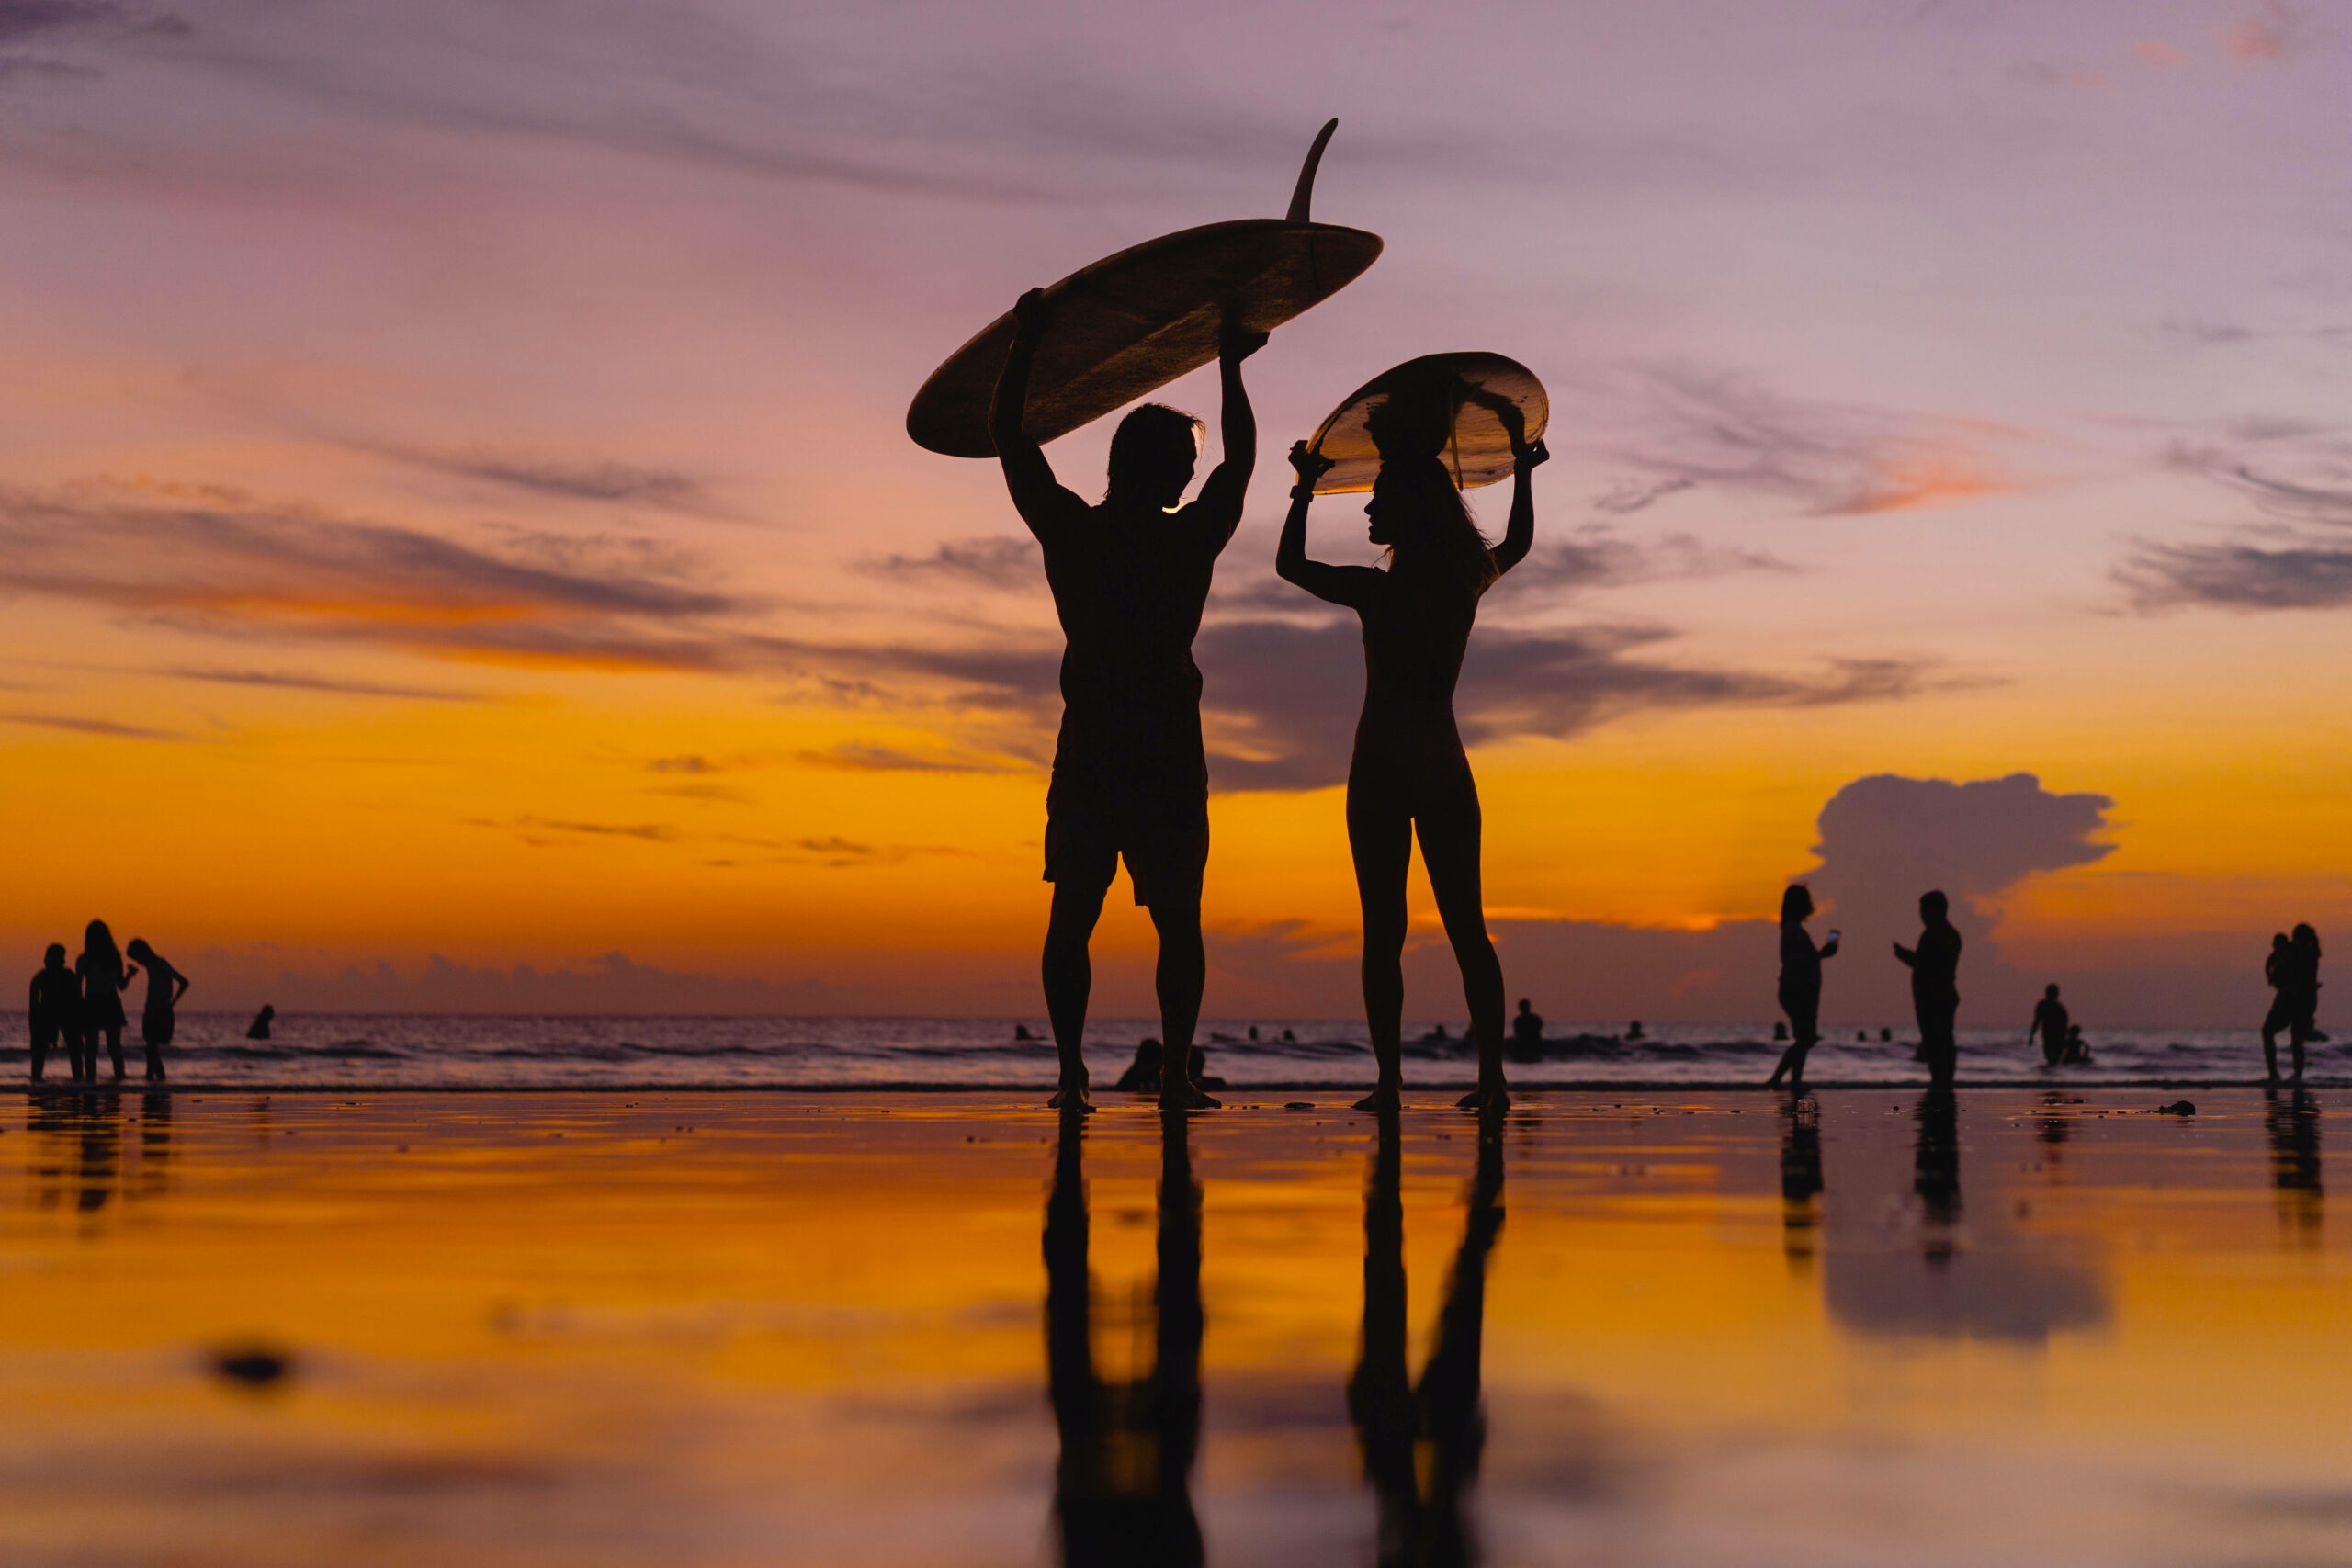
<point x="1122" y="1491"/>
<point x="1935" y="1171"/>
<point x="1801" y="1182"/>
<point x="154" y="1142"/>
<point x="1437" y="1431"/>
<point x="2293" y="1127"/>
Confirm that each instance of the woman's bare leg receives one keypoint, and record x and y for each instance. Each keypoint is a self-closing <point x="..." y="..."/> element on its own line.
<point x="1450" y="834"/>
<point x="1380" y="836"/>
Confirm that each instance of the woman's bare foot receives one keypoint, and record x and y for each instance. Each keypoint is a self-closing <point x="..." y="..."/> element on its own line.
<point x="1388" y="1097"/>
<point x="1490" y="1095"/>
<point x="1071" y="1097"/>
<point x="1186" y="1095"/>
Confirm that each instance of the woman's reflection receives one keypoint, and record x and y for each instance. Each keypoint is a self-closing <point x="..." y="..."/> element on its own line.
<point x="2293" y="1127"/>
<point x="1437" y="1431"/>
<point x="1801" y="1181"/>
<point x="1122" y="1491"/>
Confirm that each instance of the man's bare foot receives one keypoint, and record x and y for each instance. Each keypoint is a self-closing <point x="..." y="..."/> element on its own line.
<point x="1388" y="1097"/>
<point x="1492" y="1095"/>
<point x="1071" y="1097"/>
<point x="1186" y="1095"/>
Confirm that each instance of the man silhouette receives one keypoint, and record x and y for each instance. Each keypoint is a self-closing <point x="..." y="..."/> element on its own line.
<point x="1130" y="579"/>
<point x="1935" y="984"/>
<point x="54" y="1011"/>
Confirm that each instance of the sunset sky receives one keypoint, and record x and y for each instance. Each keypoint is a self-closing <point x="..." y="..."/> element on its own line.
<point x="455" y="512"/>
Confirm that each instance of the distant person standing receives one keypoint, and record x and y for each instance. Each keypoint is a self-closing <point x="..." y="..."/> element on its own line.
<point x="2295" y="971"/>
<point x="1935" y="985"/>
<point x="1800" y="983"/>
<point x="1527" y="1029"/>
<point x="54" y="1012"/>
<point x="157" y="1023"/>
<point x="2050" y="1023"/>
<point x="2276" y="964"/>
<point x="104" y="979"/>
<point x="259" y="1027"/>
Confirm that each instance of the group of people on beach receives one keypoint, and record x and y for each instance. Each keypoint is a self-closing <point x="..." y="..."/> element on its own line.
<point x="80" y="1006"/>
<point x="1130" y="577"/>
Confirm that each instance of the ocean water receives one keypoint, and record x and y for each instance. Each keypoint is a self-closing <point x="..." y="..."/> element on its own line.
<point x="483" y="1051"/>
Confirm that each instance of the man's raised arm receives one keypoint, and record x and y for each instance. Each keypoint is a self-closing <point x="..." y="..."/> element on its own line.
<point x="1042" y="502"/>
<point x="1221" y="497"/>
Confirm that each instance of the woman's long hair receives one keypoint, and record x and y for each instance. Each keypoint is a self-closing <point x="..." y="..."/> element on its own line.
<point x="1796" y="904"/>
<point x="99" y="941"/>
<point x="1410" y="430"/>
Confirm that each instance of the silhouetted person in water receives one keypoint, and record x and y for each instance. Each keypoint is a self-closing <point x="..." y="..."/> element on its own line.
<point x="53" y="1011"/>
<point x="2294" y="970"/>
<point x="1130" y="579"/>
<point x="2078" y="1055"/>
<point x="1800" y="983"/>
<point x="2050" y="1023"/>
<point x="259" y="1027"/>
<point x="157" y="1021"/>
<point x="1423" y="1514"/>
<point x="1527" y="1033"/>
<point x="1935" y="984"/>
<point x="2293" y="1130"/>
<point x="1410" y="772"/>
<point x="1122" y="1486"/>
<point x="104" y="979"/>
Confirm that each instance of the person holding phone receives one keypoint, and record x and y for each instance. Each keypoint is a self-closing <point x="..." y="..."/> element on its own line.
<point x="1800" y="984"/>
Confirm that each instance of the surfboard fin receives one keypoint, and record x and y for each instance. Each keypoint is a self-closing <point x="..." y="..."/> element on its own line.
<point x="1303" y="197"/>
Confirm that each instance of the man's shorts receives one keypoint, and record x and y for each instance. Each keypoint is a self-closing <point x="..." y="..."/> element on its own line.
<point x="1165" y="840"/>
<point x="155" y="1028"/>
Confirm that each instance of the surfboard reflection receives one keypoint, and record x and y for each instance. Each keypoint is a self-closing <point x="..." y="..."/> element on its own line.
<point x="1123" y="1487"/>
<point x="1397" y="1424"/>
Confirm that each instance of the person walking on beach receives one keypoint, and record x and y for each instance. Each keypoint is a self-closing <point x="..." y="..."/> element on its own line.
<point x="1130" y="579"/>
<point x="104" y="979"/>
<point x="1410" y="774"/>
<point x="2050" y="1023"/>
<point x="54" y="1012"/>
<point x="1935" y="985"/>
<point x="1800" y="984"/>
<point x="157" y="1023"/>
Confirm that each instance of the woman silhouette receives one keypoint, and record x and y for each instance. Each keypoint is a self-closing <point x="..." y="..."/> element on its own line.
<point x="104" y="979"/>
<point x="1410" y="772"/>
<point x="1800" y="984"/>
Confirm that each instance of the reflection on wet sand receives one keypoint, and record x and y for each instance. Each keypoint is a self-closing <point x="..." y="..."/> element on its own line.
<point x="1801" y="1179"/>
<point x="77" y="1148"/>
<point x="2294" y="1129"/>
<point x="1421" y="1447"/>
<point x="1122" y="1486"/>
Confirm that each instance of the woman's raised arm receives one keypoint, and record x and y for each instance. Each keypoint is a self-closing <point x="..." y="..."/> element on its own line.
<point x="1334" y="583"/>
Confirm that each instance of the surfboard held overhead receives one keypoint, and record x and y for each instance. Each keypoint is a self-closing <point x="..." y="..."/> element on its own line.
<point x="1137" y="321"/>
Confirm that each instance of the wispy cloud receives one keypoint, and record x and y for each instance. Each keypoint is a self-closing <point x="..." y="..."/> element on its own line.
<point x="993" y="561"/>
<point x="100" y="727"/>
<point x="2289" y="469"/>
<point x="595" y="480"/>
<point x="1703" y="427"/>
<point x="223" y="561"/>
<point x="2236" y="576"/>
<point x="296" y="682"/>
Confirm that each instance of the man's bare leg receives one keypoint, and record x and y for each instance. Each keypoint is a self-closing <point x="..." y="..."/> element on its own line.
<point x="1068" y="975"/>
<point x="1183" y="976"/>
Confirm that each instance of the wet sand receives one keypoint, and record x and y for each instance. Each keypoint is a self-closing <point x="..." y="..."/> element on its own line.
<point x="772" y="1328"/>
